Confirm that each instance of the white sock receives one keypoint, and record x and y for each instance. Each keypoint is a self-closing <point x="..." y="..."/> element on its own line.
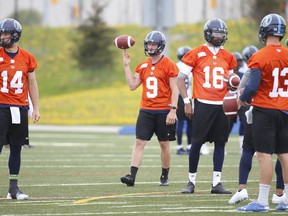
<point x="189" y="146"/>
<point x="192" y="177"/>
<point x="286" y="193"/>
<point x="263" y="194"/>
<point x="179" y="147"/>
<point x="216" y="178"/>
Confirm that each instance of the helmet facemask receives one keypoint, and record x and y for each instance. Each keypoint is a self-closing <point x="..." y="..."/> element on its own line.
<point x="218" y="38"/>
<point x="6" y="42"/>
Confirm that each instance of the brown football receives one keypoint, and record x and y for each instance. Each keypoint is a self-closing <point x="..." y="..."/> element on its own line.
<point x="232" y="81"/>
<point x="230" y="106"/>
<point x="124" y="42"/>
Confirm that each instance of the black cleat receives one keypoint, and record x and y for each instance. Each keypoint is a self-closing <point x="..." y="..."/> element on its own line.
<point x="182" y="152"/>
<point x="128" y="180"/>
<point x="164" y="181"/>
<point x="219" y="189"/>
<point x="189" y="188"/>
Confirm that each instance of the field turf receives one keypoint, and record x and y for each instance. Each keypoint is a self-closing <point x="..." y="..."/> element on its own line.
<point x="77" y="173"/>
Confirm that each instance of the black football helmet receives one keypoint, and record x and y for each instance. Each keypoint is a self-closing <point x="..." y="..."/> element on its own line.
<point x="215" y="32"/>
<point x="272" y="24"/>
<point x="13" y="27"/>
<point x="157" y="38"/>
<point x="181" y="51"/>
<point x="248" y="52"/>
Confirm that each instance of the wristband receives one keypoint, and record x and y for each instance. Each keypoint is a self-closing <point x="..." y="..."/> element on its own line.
<point x="172" y="107"/>
<point x="186" y="100"/>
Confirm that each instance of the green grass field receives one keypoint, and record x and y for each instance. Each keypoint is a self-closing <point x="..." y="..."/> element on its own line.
<point x="77" y="173"/>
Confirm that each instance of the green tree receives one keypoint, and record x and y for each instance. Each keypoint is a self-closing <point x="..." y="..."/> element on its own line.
<point x="93" y="48"/>
<point x="260" y="8"/>
<point x="28" y="17"/>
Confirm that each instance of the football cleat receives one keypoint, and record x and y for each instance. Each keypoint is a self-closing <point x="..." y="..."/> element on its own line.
<point x="19" y="196"/>
<point x="128" y="180"/>
<point x="189" y="188"/>
<point x="219" y="189"/>
<point x="238" y="197"/>
<point x="182" y="152"/>
<point x="164" y="181"/>
<point x="282" y="207"/>
<point x="278" y="199"/>
<point x="254" y="207"/>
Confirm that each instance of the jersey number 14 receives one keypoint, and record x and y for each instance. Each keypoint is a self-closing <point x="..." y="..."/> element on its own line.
<point x="16" y="82"/>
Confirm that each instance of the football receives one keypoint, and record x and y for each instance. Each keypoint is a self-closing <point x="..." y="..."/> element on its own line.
<point x="124" y="42"/>
<point x="232" y="81"/>
<point x="230" y="106"/>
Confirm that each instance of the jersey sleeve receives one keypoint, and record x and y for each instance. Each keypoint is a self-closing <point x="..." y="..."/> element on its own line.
<point x="173" y="69"/>
<point x="32" y="63"/>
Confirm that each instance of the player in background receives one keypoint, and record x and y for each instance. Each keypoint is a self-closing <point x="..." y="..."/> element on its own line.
<point x="266" y="90"/>
<point x="209" y="64"/>
<point x="248" y="150"/>
<point x="17" y="68"/>
<point x="239" y="70"/>
<point x="158" y="77"/>
<point x="181" y="117"/>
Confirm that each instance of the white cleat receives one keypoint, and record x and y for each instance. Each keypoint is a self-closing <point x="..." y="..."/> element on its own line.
<point x="19" y="196"/>
<point x="239" y="197"/>
<point x="278" y="199"/>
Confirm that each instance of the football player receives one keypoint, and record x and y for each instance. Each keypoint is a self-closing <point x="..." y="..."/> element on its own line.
<point x="267" y="86"/>
<point x="239" y="70"/>
<point x="17" y="68"/>
<point x="181" y="117"/>
<point x="248" y="150"/>
<point x="157" y="75"/>
<point x="209" y="64"/>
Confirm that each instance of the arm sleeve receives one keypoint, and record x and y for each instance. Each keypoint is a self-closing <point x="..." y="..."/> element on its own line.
<point x="244" y="79"/>
<point x="252" y="85"/>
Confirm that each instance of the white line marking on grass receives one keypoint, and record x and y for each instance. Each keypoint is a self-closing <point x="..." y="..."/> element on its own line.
<point x="118" y="184"/>
<point x="73" y="144"/>
<point x="66" y="136"/>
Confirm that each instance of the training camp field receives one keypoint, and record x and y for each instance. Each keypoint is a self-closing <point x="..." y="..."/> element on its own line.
<point x="76" y="172"/>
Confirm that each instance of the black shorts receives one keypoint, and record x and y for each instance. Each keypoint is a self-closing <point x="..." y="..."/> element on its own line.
<point x="210" y="123"/>
<point x="13" y="134"/>
<point x="270" y="130"/>
<point x="180" y="111"/>
<point x="149" y="123"/>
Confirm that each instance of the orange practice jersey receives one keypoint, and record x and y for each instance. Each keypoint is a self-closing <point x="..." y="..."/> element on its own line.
<point x="13" y="77"/>
<point x="209" y="71"/>
<point x="156" y="92"/>
<point x="272" y="93"/>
